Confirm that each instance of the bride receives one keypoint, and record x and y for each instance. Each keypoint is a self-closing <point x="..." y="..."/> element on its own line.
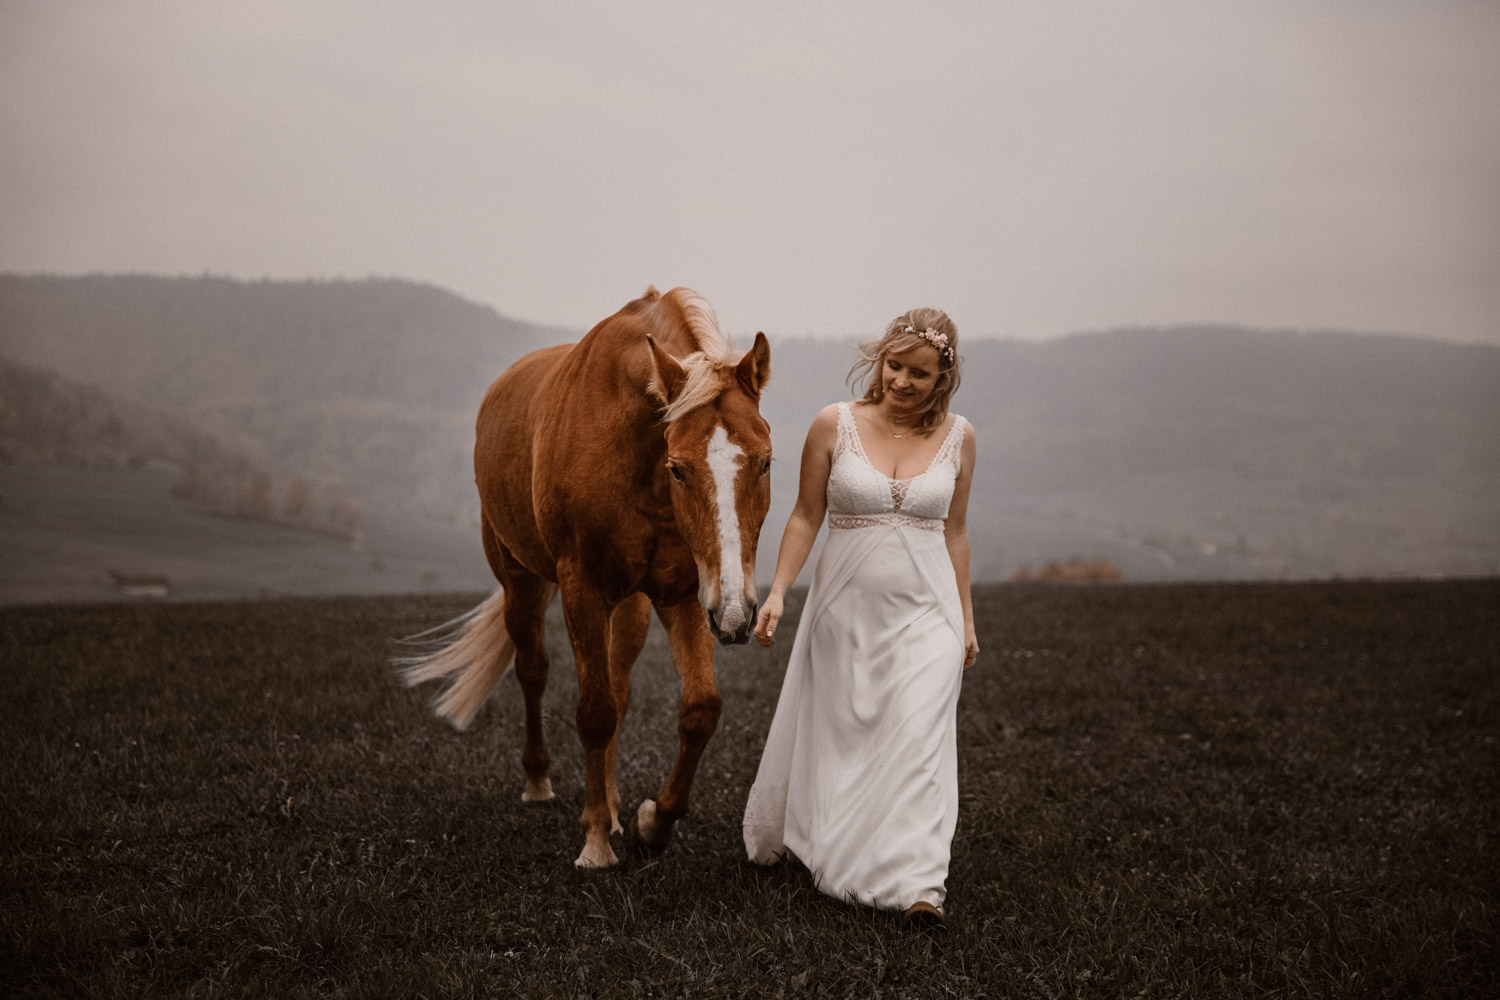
<point x="859" y="778"/>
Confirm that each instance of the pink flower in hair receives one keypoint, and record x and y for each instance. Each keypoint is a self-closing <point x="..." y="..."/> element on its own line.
<point x="936" y="339"/>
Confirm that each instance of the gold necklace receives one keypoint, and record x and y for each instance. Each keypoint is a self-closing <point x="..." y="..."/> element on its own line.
<point x="886" y="421"/>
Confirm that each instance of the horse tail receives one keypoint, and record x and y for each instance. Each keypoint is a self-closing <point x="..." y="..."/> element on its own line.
<point x="473" y="651"/>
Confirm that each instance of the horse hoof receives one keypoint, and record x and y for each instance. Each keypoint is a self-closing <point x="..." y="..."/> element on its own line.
<point x="539" y="790"/>
<point x="644" y="834"/>
<point x="594" y="857"/>
<point x="636" y="844"/>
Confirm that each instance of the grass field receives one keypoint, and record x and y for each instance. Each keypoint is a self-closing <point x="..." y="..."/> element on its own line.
<point x="1167" y="791"/>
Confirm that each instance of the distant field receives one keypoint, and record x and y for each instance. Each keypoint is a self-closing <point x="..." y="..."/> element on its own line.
<point x="63" y="530"/>
<point x="1167" y="791"/>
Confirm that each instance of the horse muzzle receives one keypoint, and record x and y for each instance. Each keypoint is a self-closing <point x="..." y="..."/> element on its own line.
<point x="737" y="636"/>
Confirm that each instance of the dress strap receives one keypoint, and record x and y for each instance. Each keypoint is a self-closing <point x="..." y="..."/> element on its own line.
<point x="848" y="436"/>
<point x="951" y="449"/>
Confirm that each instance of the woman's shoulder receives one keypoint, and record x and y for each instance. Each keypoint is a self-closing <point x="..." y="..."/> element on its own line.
<point x="960" y="427"/>
<point x="951" y="423"/>
<point x="831" y="414"/>
<point x="826" y="424"/>
<point x="828" y="415"/>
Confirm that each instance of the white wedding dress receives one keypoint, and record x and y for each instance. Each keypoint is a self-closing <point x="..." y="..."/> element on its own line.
<point x="859" y="778"/>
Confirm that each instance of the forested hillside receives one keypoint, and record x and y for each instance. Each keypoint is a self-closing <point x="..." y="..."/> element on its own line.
<point x="194" y="342"/>
<point x="368" y="387"/>
<point x="49" y="419"/>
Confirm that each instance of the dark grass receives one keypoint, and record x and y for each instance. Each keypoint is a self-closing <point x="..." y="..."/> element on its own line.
<point x="1194" y="791"/>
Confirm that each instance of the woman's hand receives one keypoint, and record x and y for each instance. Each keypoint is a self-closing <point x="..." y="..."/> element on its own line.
<point x="971" y="647"/>
<point x="765" y="622"/>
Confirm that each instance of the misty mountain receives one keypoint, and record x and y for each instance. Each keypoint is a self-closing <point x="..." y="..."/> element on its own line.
<point x="1183" y="452"/>
<point x="1213" y="451"/>
<point x="205" y="342"/>
<point x="366" y="387"/>
<point x="48" y="419"/>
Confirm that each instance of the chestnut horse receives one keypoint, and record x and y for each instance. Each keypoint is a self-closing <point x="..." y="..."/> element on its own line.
<point x="627" y="471"/>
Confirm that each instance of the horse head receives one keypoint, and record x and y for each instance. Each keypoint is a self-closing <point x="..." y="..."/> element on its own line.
<point x="718" y="465"/>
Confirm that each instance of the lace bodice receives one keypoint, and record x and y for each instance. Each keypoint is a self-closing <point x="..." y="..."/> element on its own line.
<point x="860" y="494"/>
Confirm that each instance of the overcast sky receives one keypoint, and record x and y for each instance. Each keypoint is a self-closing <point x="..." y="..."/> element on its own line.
<point x="1034" y="168"/>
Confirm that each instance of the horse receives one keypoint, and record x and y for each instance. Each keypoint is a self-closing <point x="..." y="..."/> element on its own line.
<point x="628" y="471"/>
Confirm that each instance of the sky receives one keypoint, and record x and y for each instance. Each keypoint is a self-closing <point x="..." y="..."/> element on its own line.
<point x="1034" y="168"/>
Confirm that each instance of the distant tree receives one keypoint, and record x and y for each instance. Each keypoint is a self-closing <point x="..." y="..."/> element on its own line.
<point x="298" y="506"/>
<point x="199" y="486"/>
<point x="348" y="518"/>
<point x="254" y="499"/>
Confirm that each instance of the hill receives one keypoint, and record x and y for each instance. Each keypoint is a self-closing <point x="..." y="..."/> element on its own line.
<point x="209" y="342"/>
<point x="1213" y="452"/>
<point x="50" y="420"/>
<point x="366" y="385"/>
<point x="1191" y="452"/>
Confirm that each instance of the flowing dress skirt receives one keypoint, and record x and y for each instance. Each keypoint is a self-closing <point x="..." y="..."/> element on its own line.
<point x="859" y="778"/>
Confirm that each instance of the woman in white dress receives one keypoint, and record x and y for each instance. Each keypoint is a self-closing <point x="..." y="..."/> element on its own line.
<point x="859" y="778"/>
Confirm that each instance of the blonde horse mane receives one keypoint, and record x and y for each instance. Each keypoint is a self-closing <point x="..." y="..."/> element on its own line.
<point x="707" y="366"/>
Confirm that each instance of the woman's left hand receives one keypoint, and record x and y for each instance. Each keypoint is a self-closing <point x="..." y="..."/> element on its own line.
<point x="765" y="622"/>
<point x="971" y="647"/>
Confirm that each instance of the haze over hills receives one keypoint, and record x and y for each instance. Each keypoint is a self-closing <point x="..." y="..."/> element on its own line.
<point x="1218" y="452"/>
<point x="367" y="387"/>
<point x="1196" y="452"/>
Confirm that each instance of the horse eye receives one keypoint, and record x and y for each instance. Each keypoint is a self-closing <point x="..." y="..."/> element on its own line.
<point x="677" y="472"/>
<point x="766" y="467"/>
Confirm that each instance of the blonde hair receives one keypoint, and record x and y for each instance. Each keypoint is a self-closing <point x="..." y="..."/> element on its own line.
<point x="901" y="335"/>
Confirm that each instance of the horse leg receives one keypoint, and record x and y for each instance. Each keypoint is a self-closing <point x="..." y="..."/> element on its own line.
<point x="698" y="716"/>
<point x="628" y="625"/>
<point x="527" y="597"/>
<point x="587" y="615"/>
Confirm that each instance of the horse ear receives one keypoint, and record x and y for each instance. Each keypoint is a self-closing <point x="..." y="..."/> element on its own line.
<point x="754" y="369"/>
<point x="667" y="376"/>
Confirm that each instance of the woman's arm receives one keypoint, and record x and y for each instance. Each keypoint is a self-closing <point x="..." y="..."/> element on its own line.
<point x="807" y="517"/>
<point x="956" y="534"/>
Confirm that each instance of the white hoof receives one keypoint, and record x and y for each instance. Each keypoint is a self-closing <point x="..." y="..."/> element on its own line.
<point x="597" y="856"/>
<point x="538" y="791"/>
<point x="645" y="821"/>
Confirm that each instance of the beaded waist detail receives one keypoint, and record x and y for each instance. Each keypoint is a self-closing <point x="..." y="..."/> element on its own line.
<point x="880" y="520"/>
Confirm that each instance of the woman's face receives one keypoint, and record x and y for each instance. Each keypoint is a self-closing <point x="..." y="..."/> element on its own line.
<point x="908" y="378"/>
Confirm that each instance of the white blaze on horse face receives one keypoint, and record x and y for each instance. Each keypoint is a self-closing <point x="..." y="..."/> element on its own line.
<point x="723" y="462"/>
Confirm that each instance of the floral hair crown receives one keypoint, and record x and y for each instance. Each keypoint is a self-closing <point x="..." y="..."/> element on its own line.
<point x="938" y="340"/>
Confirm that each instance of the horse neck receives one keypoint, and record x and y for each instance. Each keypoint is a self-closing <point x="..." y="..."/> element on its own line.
<point x="608" y="384"/>
<point x="613" y="365"/>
